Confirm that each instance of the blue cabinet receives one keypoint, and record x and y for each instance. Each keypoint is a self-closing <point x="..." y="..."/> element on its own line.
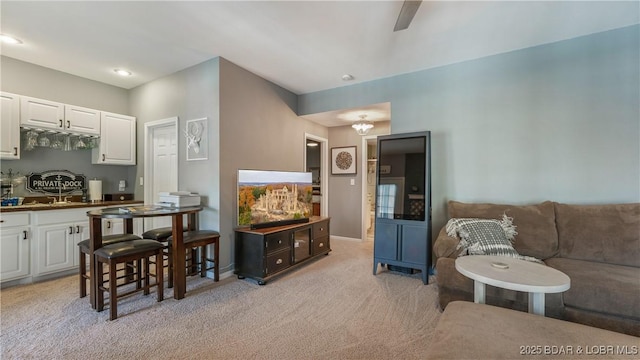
<point x="403" y="203"/>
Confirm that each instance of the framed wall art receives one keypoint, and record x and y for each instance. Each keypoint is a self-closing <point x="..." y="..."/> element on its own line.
<point x="197" y="141"/>
<point x="343" y="160"/>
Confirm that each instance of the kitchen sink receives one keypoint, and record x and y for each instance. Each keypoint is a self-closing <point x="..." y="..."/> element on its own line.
<point x="50" y="205"/>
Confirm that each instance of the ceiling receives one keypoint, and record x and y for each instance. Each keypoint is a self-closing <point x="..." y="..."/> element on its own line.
<point x="303" y="46"/>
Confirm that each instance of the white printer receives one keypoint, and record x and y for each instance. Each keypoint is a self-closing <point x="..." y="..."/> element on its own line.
<point x="179" y="199"/>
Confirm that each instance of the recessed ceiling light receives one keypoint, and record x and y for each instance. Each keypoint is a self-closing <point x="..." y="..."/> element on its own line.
<point x="122" y="72"/>
<point x="9" y="39"/>
<point x="347" y="77"/>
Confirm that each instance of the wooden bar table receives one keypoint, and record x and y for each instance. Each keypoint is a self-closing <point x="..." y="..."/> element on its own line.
<point x="128" y="213"/>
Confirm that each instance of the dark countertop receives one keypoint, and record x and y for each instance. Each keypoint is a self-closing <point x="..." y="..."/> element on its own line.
<point x="70" y="205"/>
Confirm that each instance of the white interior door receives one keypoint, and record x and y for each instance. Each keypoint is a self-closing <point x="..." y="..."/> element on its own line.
<point x="161" y="169"/>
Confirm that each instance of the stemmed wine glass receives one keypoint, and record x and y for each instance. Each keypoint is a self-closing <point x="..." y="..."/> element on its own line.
<point x="57" y="143"/>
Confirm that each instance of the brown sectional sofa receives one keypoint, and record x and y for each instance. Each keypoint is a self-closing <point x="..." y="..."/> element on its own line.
<point x="597" y="246"/>
<point x="476" y="331"/>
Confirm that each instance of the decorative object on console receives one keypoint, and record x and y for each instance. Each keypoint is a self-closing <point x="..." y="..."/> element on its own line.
<point x="343" y="160"/>
<point x="271" y="198"/>
<point x="362" y="126"/>
<point x="197" y="141"/>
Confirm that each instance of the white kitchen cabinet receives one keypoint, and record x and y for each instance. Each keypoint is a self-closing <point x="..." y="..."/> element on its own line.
<point x="15" y="241"/>
<point x="57" y="235"/>
<point x="45" y="114"/>
<point x="117" y="140"/>
<point x="116" y="226"/>
<point x="9" y="126"/>
<point x="41" y="114"/>
<point x="112" y="226"/>
<point x="79" y="120"/>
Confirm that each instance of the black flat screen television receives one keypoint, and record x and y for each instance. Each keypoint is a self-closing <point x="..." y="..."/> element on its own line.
<point x="269" y="198"/>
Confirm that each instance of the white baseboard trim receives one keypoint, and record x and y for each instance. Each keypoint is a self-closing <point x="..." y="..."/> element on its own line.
<point x="345" y="238"/>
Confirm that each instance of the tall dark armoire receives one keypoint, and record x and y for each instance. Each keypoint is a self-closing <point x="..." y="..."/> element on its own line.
<point x="403" y="203"/>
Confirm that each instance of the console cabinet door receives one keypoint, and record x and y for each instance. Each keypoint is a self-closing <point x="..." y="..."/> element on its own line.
<point x="386" y="240"/>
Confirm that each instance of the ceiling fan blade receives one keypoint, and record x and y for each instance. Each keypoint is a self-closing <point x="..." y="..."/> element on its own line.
<point x="407" y="13"/>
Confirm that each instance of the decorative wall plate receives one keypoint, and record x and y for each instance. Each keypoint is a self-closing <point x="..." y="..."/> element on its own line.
<point x="343" y="160"/>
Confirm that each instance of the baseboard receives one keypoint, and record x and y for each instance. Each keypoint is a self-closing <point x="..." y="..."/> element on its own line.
<point x="345" y="238"/>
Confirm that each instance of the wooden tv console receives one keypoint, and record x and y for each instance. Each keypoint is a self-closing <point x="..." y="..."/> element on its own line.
<point x="261" y="254"/>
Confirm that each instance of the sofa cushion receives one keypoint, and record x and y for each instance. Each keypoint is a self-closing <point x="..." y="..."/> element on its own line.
<point x="537" y="235"/>
<point x="604" y="233"/>
<point x="600" y="287"/>
<point x="483" y="236"/>
<point x="476" y="331"/>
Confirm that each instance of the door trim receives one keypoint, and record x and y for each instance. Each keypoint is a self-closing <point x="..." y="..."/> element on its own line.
<point x="363" y="170"/>
<point x="324" y="173"/>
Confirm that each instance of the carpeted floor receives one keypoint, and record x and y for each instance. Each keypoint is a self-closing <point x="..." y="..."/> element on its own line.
<point x="332" y="308"/>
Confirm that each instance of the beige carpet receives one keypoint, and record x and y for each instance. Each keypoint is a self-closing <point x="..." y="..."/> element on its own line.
<point x="332" y="308"/>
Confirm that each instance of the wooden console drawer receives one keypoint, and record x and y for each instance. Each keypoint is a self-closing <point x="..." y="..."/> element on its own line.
<point x="320" y="229"/>
<point x="321" y="245"/>
<point x="278" y="241"/>
<point x="265" y="253"/>
<point x="278" y="261"/>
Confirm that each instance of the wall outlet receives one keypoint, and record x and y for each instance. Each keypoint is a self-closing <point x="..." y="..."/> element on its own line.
<point x="141" y="181"/>
<point x="353" y="181"/>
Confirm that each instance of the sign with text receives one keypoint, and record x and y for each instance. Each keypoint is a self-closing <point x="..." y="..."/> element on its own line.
<point x="56" y="182"/>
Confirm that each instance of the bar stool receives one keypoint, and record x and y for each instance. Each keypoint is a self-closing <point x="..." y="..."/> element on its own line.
<point x="83" y="247"/>
<point x="199" y="239"/>
<point x="162" y="235"/>
<point x="139" y="251"/>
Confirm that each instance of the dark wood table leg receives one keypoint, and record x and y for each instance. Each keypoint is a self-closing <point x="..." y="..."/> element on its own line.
<point x="179" y="263"/>
<point x="95" y="228"/>
<point x="127" y="224"/>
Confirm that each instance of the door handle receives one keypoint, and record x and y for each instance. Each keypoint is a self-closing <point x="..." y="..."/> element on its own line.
<point x="77" y="229"/>
<point x="70" y="230"/>
<point x="68" y="124"/>
<point x="24" y="234"/>
<point x="279" y="261"/>
<point x="60" y="122"/>
<point x="109" y="224"/>
<point x="15" y="151"/>
<point x="102" y="157"/>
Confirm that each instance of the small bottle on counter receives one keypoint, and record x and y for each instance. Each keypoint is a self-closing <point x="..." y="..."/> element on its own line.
<point x="84" y="195"/>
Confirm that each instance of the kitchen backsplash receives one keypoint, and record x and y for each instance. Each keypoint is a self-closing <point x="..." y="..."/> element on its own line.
<point x="78" y="162"/>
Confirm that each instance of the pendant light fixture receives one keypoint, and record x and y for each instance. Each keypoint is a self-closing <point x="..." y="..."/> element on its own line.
<point x="362" y="126"/>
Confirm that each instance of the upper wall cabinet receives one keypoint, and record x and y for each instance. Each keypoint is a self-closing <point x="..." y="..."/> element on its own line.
<point x="9" y="126"/>
<point x="81" y="120"/>
<point x="117" y="140"/>
<point x="45" y="114"/>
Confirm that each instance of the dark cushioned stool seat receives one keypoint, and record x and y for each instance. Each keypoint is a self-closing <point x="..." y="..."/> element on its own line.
<point x="126" y="248"/>
<point x="127" y="251"/>
<point x="159" y="234"/>
<point x="84" y="250"/>
<point x="110" y="239"/>
<point x="199" y="239"/>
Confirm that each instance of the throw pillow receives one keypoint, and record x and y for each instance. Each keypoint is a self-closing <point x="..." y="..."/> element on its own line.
<point x="485" y="236"/>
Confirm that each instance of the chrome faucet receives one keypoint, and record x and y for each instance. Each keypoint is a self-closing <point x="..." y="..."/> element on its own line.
<point x="59" y="200"/>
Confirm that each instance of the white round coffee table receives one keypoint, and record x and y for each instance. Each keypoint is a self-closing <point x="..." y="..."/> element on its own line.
<point x="513" y="274"/>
